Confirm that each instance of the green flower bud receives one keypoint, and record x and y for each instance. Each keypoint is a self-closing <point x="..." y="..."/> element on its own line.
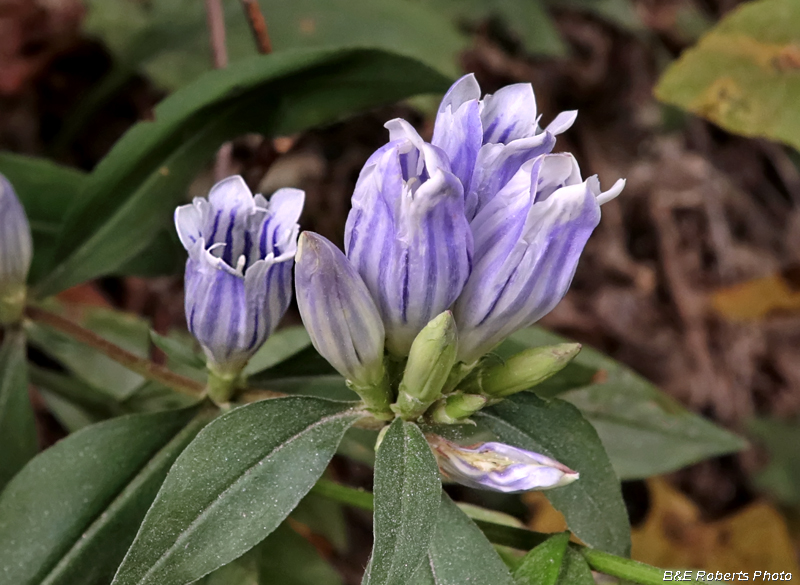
<point x="522" y="371"/>
<point x="432" y="356"/>
<point x="456" y="407"/>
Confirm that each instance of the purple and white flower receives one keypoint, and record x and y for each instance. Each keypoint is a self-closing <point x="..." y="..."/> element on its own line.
<point x="499" y="467"/>
<point x="528" y="239"/>
<point x="407" y="234"/>
<point x="16" y="253"/>
<point x="487" y="140"/>
<point x="239" y="272"/>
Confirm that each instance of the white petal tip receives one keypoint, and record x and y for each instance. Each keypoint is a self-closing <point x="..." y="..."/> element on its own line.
<point x="615" y="190"/>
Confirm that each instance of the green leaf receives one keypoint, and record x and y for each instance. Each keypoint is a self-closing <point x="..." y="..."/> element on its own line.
<point x="459" y="553"/>
<point x="47" y="191"/>
<point x="542" y="565"/>
<point x="304" y="364"/>
<point x="644" y="431"/>
<point x="287" y="558"/>
<point x="232" y="486"/>
<point x="575" y="570"/>
<point x="75" y="403"/>
<point x="781" y="477"/>
<point x="131" y="194"/>
<point x="323" y="517"/>
<point x="169" y="38"/>
<point x="17" y="426"/>
<point x="242" y="571"/>
<point x="71" y="513"/>
<point x="407" y="496"/>
<point x="593" y="505"/>
<point x="743" y="74"/>
<point x="89" y="365"/>
<point x="529" y="20"/>
<point x="178" y="350"/>
<point x="279" y="346"/>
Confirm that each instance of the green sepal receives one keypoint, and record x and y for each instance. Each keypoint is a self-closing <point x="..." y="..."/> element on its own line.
<point x="457" y="407"/>
<point x="522" y="371"/>
<point x="430" y="360"/>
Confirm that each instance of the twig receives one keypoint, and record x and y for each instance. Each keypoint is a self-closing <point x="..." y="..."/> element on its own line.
<point x="216" y="29"/>
<point x="133" y="362"/>
<point x="266" y="153"/>
<point x="219" y="53"/>
<point x="258" y="25"/>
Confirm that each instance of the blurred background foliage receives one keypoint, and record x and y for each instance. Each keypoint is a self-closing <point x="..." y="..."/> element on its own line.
<point x="692" y="279"/>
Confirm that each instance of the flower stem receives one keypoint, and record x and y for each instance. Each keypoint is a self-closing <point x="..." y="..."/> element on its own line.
<point x="133" y="362"/>
<point x="627" y="569"/>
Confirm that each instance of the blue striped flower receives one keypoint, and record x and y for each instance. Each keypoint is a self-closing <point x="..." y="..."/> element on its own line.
<point x="499" y="467"/>
<point x="407" y="234"/>
<point x="16" y="252"/>
<point x="238" y="275"/>
<point x="488" y="140"/>
<point x="528" y="239"/>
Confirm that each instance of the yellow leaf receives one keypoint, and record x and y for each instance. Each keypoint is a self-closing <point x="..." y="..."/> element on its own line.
<point x="757" y="298"/>
<point x="674" y="535"/>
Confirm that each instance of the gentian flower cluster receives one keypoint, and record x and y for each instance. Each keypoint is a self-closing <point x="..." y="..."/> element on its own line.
<point x="16" y="252"/>
<point x="450" y="247"/>
<point x="483" y="221"/>
<point x="239" y="272"/>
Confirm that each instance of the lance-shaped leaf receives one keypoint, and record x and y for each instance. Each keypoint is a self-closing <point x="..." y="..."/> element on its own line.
<point x="129" y="196"/>
<point x="460" y="553"/>
<point x="17" y="428"/>
<point x="407" y="496"/>
<point x="233" y="486"/>
<point x="593" y="505"/>
<point x="71" y="513"/>
<point x="542" y="564"/>
<point x="287" y="558"/>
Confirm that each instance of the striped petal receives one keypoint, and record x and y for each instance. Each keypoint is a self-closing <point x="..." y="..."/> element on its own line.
<point x="238" y="275"/>
<point x="499" y="467"/>
<point x="497" y="163"/>
<point x="338" y="311"/>
<point x="535" y="275"/>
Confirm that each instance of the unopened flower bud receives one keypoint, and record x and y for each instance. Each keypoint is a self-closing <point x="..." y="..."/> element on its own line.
<point x="522" y="371"/>
<point x="16" y="251"/>
<point x="457" y="407"/>
<point x="430" y="360"/>
<point x="341" y="318"/>
<point x="499" y="467"/>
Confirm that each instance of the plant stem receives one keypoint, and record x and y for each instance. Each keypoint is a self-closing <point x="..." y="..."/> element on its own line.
<point x="627" y="569"/>
<point x="518" y="538"/>
<point x="258" y="25"/>
<point x="133" y="362"/>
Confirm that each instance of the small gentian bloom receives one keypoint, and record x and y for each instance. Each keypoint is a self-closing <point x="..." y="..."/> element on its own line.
<point x="407" y="234"/>
<point x="239" y="272"/>
<point x="488" y="140"/>
<point x="528" y="240"/>
<point x="16" y="253"/>
<point x="499" y="467"/>
<point x="339" y="314"/>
